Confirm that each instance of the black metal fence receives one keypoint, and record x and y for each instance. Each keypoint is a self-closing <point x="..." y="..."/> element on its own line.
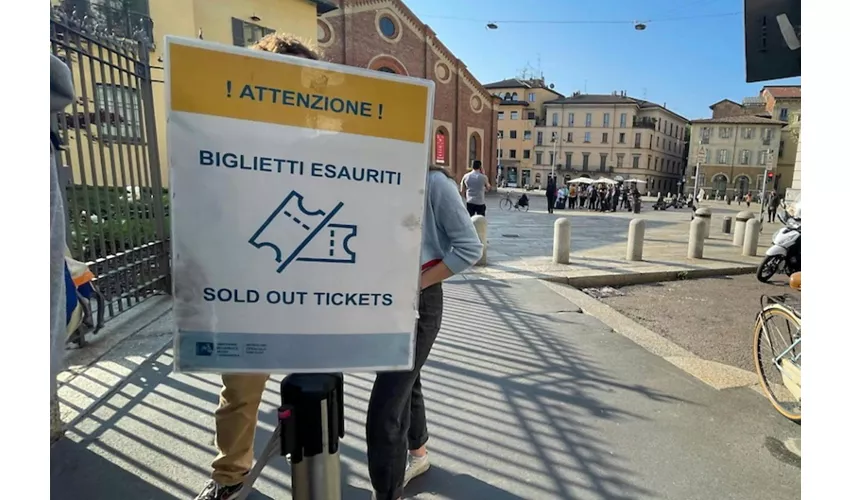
<point x="116" y="204"/>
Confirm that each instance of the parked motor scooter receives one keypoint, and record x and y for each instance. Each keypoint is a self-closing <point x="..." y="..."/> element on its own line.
<point x="785" y="252"/>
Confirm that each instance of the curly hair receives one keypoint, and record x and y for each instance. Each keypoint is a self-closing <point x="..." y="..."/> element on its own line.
<point x="291" y="45"/>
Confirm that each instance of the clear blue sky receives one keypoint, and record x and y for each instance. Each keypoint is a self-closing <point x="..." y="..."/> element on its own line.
<point x="688" y="63"/>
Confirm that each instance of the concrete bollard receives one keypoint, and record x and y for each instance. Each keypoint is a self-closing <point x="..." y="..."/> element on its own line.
<point x="704" y="213"/>
<point x="727" y="225"/>
<point x="696" y="239"/>
<point x="740" y="227"/>
<point x="751" y="238"/>
<point x="634" y="247"/>
<point x="561" y="247"/>
<point x="480" y="224"/>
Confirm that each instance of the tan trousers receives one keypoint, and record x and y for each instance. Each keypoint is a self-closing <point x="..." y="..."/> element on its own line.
<point x="235" y="423"/>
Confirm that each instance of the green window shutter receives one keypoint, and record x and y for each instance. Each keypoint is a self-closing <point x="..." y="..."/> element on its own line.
<point x="238" y="34"/>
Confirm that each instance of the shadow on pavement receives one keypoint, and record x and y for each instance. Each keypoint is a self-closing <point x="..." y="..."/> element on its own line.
<point x="74" y="468"/>
<point x="519" y="405"/>
<point x="452" y="486"/>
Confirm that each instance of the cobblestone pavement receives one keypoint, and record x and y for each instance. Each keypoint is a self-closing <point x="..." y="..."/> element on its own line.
<point x="713" y="317"/>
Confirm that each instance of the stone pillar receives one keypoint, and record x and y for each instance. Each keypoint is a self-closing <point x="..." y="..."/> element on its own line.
<point x="634" y="248"/>
<point x="561" y="247"/>
<point x="705" y="213"/>
<point x="696" y="239"/>
<point x="741" y="226"/>
<point x="480" y="224"/>
<point x="751" y="238"/>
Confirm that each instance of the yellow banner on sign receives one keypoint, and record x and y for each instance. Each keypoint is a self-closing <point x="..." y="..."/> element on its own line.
<point x="212" y="82"/>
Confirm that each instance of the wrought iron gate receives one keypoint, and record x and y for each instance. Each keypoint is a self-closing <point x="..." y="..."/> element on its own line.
<point x="116" y="205"/>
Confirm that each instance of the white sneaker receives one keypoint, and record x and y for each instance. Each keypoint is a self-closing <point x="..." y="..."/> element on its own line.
<point x="416" y="466"/>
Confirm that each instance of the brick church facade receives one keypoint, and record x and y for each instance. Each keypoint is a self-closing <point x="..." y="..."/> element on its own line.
<point x="384" y="35"/>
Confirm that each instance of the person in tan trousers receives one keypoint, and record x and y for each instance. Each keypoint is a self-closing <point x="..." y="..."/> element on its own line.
<point x="236" y="416"/>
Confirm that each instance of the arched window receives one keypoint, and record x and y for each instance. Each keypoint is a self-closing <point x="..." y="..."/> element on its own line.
<point x="514" y="96"/>
<point x="719" y="183"/>
<point x="742" y="184"/>
<point x="386" y="69"/>
<point x="473" y="149"/>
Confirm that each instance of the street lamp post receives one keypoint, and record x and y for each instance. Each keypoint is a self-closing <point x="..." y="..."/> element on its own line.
<point x="554" y="142"/>
<point x="500" y="176"/>
<point x="700" y="160"/>
<point x="768" y="166"/>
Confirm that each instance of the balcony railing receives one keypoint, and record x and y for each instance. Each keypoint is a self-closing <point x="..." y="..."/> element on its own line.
<point x="649" y="123"/>
<point x="120" y="22"/>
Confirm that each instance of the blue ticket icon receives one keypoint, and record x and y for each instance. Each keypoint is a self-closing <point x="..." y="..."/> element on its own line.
<point x="295" y="233"/>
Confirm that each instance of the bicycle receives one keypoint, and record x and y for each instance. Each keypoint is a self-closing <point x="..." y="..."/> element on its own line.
<point x="778" y="357"/>
<point x="507" y="203"/>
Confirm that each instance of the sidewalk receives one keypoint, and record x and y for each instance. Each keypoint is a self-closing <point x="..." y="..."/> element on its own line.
<point x="539" y="402"/>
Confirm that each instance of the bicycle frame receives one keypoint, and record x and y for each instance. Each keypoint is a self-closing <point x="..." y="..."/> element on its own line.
<point x="790" y="374"/>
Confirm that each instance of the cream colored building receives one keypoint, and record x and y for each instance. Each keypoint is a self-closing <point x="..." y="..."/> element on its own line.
<point x="519" y="112"/>
<point x="737" y="152"/>
<point x="611" y="135"/>
<point x="784" y="103"/>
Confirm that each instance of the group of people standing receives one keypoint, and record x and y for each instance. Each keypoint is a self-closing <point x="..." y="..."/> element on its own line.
<point x="601" y="197"/>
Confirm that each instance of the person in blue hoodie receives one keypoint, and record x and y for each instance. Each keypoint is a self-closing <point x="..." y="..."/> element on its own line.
<point x="396" y="428"/>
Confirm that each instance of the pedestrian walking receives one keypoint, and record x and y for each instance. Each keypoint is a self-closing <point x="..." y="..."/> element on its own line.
<point x="473" y="186"/>
<point x="772" y="206"/>
<point x="551" y="193"/>
<point x="749" y="199"/>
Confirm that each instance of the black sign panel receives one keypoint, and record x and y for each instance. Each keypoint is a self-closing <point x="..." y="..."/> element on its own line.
<point x="772" y="39"/>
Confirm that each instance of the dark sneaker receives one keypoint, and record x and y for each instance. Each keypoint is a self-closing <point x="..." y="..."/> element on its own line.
<point x="215" y="491"/>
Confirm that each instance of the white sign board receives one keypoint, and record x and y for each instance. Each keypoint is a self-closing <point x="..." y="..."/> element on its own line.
<point x="770" y="159"/>
<point x="701" y="154"/>
<point x="297" y="192"/>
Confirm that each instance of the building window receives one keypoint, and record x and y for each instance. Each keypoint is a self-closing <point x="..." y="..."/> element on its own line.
<point x="569" y="160"/>
<point x="620" y="157"/>
<point x="531" y="115"/>
<point x="531" y="97"/>
<point x="637" y="140"/>
<point x="551" y="158"/>
<point x="246" y="34"/>
<point x="677" y="131"/>
<point x="500" y="134"/>
<point x="604" y="137"/>
<point x="707" y="156"/>
<point x="606" y="120"/>
<point x="766" y="134"/>
<point x="723" y="156"/>
<point x="622" y="120"/>
<point x="763" y="157"/>
<point x="526" y="154"/>
<point x="499" y="153"/>
<point x="571" y="119"/>
<point x="500" y="115"/>
<point x="588" y="120"/>
<point x="569" y="137"/>
<point x="512" y="153"/>
<point x="123" y="105"/>
<point x="473" y="148"/>
<point x="649" y="162"/>
<point x="747" y="132"/>
<point x="725" y="132"/>
<point x="603" y="160"/>
<point x="387" y="70"/>
<point x="441" y="146"/>
<point x="537" y="178"/>
<point x="555" y="119"/>
<point x="622" y="139"/>
<point x="663" y="143"/>
<point x="656" y="164"/>
<point x="514" y="115"/>
<point x="635" y="161"/>
<point x="781" y="148"/>
<point x="526" y="136"/>
<point x="538" y="158"/>
<point x="512" y="134"/>
<point x="539" y="138"/>
<point x="585" y="161"/>
<point x="388" y="27"/>
<point x="587" y="137"/>
<point x="657" y="141"/>
<point x="745" y="157"/>
<point x="783" y="114"/>
<point x="705" y="134"/>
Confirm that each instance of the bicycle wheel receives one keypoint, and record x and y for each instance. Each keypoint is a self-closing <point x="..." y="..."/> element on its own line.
<point x="506" y="204"/>
<point x="776" y="352"/>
